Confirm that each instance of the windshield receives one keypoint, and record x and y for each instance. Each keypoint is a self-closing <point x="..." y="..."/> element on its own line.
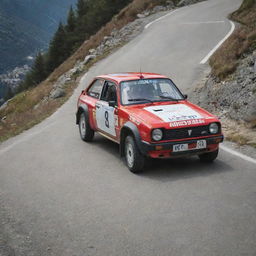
<point x="149" y="90"/>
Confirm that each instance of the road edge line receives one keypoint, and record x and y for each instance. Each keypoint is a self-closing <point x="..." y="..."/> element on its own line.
<point x="154" y="21"/>
<point x="207" y="57"/>
<point x="236" y="153"/>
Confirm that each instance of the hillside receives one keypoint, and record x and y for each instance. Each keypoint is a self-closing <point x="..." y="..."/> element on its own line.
<point x="230" y="90"/>
<point x="27" y="26"/>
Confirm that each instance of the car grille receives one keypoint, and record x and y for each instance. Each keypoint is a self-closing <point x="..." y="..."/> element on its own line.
<point x="183" y="133"/>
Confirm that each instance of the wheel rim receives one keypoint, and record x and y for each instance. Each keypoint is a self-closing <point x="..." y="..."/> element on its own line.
<point x="82" y="126"/>
<point x="129" y="154"/>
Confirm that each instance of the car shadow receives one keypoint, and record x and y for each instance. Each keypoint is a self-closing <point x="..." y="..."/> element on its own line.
<point x="182" y="168"/>
<point x="166" y="169"/>
<point x="107" y="145"/>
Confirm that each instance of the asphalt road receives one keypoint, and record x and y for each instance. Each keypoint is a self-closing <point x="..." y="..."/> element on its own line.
<point x="61" y="196"/>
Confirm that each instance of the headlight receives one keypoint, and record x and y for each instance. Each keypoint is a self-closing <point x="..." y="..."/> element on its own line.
<point x="213" y="128"/>
<point x="157" y="134"/>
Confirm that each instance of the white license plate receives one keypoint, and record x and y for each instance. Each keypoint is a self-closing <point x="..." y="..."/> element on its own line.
<point x="200" y="144"/>
<point x="180" y="147"/>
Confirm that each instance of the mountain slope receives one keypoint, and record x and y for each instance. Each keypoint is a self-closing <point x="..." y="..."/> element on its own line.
<point x="27" y="26"/>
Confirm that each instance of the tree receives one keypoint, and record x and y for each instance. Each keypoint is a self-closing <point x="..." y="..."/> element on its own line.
<point x="82" y="8"/>
<point x="57" y="52"/>
<point x="71" y="24"/>
<point x="38" y="71"/>
<point x="9" y="93"/>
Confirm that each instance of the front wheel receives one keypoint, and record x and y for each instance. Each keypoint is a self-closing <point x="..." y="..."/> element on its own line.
<point x="85" y="130"/>
<point x="134" y="159"/>
<point x="209" y="157"/>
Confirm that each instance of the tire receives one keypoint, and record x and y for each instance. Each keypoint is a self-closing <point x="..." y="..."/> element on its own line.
<point x="209" y="157"/>
<point x="86" y="133"/>
<point x="134" y="159"/>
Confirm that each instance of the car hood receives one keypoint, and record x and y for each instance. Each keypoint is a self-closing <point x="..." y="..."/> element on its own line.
<point x="172" y="115"/>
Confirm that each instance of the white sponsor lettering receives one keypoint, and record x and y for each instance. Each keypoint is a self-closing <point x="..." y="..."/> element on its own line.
<point x="189" y="122"/>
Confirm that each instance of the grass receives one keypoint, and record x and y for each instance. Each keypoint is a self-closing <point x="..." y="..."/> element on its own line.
<point x="240" y="139"/>
<point x="29" y="108"/>
<point x="243" y="40"/>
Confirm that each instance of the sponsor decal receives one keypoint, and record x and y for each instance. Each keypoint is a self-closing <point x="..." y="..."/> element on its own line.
<point x="174" y="113"/>
<point x="187" y="122"/>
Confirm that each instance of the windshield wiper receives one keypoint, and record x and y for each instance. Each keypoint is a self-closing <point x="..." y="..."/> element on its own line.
<point x="168" y="98"/>
<point x="141" y="99"/>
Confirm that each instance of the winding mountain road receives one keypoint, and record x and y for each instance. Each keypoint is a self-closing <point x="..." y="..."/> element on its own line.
<point x="60" y="196"/>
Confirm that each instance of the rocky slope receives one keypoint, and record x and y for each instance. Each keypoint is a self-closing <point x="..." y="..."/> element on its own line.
<point x="233" y="100"/>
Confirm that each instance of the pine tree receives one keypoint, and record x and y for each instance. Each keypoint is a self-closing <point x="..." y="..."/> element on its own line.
<point x="71" y="24"/>
<point x="9" y="93"/>
<point x="82" y="8"/>
<point x="57" y="52"/>
<point x="38" y="72"/>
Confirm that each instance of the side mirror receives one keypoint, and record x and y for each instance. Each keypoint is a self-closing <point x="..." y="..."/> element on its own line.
<point x="185" y="96"/>
<point x="112" y="103"/>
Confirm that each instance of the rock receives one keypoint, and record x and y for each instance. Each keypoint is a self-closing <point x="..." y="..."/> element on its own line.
<point x="158" y="8"/>
<point x="106" y="38"/>
<point x="60" y="82"/>
<point x="146" y="13"/>
<point x="57" y="93"/>
<point x="181" y="3"/>
<point x="88" y="58"/>
<point x="141" y="16"/>
<point x="170" y="4"/>
<point x="108" y="43"/>
<point x="186" y="2"/>
<point x="250" y="114"/>
<point x="92" y="51"/>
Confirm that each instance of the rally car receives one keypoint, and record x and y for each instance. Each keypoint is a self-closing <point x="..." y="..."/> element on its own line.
<point x="148" y="116"/>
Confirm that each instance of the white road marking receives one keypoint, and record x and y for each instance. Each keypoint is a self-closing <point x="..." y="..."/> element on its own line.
<point x="236" y="153"/>
<point x="203" y="22"/>
<point x="206" y="58"/>
<point x="154" y="21"/>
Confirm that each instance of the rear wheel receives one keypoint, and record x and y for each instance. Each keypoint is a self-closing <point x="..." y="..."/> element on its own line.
<point x="134" y="159"/>
<point x="209" y="157"/>
<point x="85" y="130"/>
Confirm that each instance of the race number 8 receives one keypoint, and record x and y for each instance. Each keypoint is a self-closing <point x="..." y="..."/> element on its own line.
<point x="106" y="119"/>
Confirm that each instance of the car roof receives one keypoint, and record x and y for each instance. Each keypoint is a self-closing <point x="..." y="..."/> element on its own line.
<point x="120" y="77"/>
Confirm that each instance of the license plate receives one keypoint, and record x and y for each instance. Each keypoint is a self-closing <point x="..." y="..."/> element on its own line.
<point x="180" y="147"/>
<point x="200" y="144"/>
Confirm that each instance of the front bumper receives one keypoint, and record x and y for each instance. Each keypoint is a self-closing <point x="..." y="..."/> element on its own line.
<point x="160" y="150"/>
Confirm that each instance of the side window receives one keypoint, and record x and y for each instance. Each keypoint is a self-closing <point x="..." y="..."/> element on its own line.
<point x="109" y="92"/>
<point x="96" y="88"/>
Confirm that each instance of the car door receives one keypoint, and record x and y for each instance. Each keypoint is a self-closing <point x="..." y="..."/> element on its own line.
<point x="105" y="109"/>
<point x="92" y="97"/>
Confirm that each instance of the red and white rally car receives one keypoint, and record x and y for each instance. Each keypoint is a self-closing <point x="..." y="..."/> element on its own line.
<point x="147" y="116"/>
